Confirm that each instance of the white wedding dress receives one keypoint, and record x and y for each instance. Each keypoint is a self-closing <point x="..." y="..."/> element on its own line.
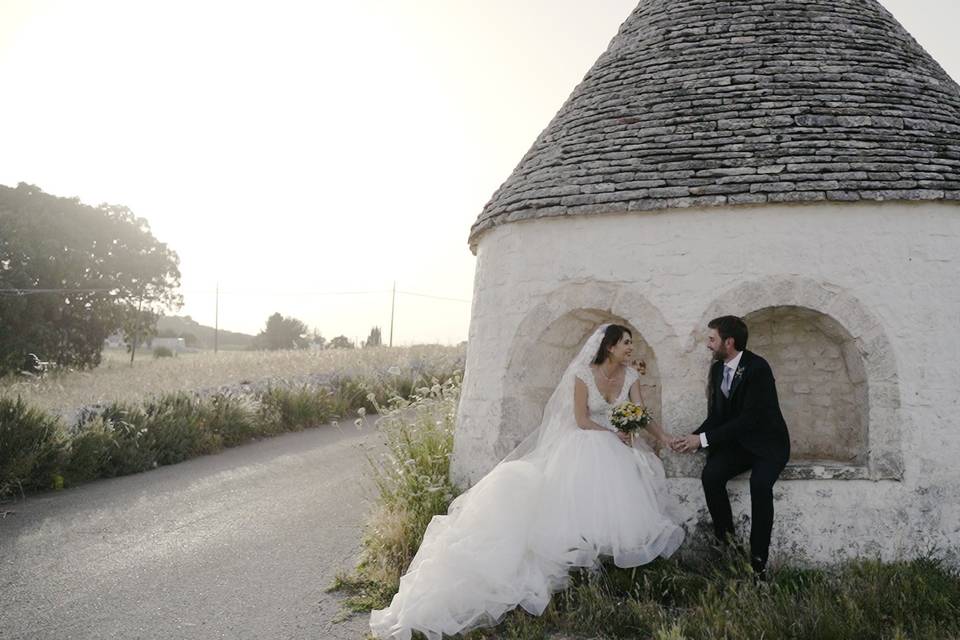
<point x="564" y="498"/>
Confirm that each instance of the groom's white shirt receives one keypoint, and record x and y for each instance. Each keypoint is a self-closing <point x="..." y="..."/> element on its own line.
<point x="732" y="365"/>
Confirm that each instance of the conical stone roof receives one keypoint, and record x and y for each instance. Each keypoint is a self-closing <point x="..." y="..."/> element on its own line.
<point x="720" y="102"/>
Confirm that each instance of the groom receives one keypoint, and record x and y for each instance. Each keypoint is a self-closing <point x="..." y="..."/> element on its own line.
<point x="744" y="430"/>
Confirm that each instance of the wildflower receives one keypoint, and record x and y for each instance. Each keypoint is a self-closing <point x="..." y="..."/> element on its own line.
<point x="362" y="411"/>
<point x="358" y="423"/>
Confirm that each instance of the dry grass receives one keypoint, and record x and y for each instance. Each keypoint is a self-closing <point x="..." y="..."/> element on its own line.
<point x="62" y="393"/>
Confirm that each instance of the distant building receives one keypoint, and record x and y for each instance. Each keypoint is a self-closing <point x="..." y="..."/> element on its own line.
<point x="176" y="345"/>
<point x="114" y="341"/>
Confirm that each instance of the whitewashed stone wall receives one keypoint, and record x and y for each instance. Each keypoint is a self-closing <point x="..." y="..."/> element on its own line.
<point x="821" y="382"/>
<point x="879" y="278"/>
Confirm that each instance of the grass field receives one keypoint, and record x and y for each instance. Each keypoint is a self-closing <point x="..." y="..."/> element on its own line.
<point x="75" y="426"/>
<point x="697" y="595"/>
<point x="62" y="393"/>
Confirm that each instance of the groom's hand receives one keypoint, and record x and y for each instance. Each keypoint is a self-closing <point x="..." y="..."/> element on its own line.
<point x="688" y="443"/>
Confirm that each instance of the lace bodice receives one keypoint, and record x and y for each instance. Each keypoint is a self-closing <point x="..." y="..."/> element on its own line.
<point x="597" y="405"/>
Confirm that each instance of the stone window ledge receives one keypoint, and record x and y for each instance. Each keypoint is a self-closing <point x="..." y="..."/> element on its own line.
<point x="681" y="466"/>
<point x="825" y="470"/>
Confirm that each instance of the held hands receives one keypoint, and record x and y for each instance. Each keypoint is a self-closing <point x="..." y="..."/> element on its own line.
<point x="685" y="444"/>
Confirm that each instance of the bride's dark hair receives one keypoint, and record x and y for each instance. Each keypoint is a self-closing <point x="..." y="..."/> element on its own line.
<point x="611" y="337"/>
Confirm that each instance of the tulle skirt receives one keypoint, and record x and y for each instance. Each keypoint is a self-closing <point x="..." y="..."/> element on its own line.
<point x="512" y="539"/>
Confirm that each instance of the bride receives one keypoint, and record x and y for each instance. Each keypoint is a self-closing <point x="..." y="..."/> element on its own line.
<point x="574" y="490"/>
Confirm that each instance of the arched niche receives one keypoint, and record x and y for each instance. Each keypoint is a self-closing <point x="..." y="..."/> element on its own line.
<point x="821" y="382"/>
<point x="851" y="394"/>
<point x="553" y="333"/>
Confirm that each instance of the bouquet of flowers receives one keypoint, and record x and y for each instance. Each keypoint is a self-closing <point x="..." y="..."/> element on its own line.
<point x="629" y="417"/>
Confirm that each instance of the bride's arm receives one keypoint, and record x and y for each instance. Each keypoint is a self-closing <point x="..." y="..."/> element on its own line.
<point x="653" y="427"/>
<point x="580" y="412"/>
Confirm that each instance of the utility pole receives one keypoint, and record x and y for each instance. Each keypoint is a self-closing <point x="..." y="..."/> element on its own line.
<point x="216" y="320"/>
<point x="136" y="330"/>
<point x="393" y="302"/>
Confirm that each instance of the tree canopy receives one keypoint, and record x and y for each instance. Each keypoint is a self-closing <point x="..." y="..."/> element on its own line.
<point x="282" y="333"/>
<point x="374" y="339"/>
<point x="341" y="342"/>
<point x="71" y="274"/>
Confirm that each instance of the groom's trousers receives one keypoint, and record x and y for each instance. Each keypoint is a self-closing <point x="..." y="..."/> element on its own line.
<point x="722" y="465"/>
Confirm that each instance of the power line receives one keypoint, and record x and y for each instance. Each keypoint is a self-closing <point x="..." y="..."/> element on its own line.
<point x="24" y="292"/>
<point x="425" y="295"/>
<point x="198" y="291"/>
<point x="294" y="293"/>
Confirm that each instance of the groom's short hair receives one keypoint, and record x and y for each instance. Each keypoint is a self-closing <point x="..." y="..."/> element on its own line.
<point x="731" y="327"/>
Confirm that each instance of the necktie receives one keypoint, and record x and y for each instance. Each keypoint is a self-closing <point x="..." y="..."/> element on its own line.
<point x="725" y="385"/>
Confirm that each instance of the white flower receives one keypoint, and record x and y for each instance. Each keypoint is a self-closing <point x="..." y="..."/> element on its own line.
<point x="358" y="423"/>
<point x="362" y="411"/>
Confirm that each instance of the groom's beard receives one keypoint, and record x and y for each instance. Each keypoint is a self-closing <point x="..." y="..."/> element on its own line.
<point x="720" y="355"/>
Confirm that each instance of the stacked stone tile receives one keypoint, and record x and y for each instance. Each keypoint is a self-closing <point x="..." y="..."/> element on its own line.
<point x="719" y="102"/>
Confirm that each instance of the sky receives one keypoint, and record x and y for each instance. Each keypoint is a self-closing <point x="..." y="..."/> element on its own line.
<point x="305" y="156"/>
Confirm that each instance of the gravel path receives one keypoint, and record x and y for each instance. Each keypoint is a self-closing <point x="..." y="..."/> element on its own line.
<point x="241" y="544"/>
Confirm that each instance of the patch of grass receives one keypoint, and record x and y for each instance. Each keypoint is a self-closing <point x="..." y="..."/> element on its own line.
<point x="708" y="596"/>
<point x="283" y="409"/>
<point x="32" y="447"/>
<point x="232" y="418"/>
<point x="174" y="428"/>
<point x="859" y="600"/>
<point x="120" y="438"/>
<point x="110" y="442"/>
<point x="412" y="484"/>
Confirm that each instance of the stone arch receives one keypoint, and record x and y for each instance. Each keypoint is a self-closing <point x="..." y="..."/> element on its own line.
<point x="798" y="322"/>
<point x="552" y="333"/>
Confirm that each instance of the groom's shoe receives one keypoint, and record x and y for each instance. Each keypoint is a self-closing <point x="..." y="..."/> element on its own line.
<point x="759" y="566"/>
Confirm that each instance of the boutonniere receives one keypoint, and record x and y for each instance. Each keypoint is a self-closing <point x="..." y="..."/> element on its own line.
<point x="738" y="373"/>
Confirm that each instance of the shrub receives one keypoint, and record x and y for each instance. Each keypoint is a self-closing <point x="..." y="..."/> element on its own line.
<point x="90" y="451"/>
<point x="124" y="427"/>
<point x="232" y="418"/>
<point x="412" y="484"/>
<point x="32" y="447"/>
<point x="126" y="437"/>
<point x="174" y="429"/>
<point x="294" y="409"/>
<point x="350" y="394"/>
<point x="162" y="352"/>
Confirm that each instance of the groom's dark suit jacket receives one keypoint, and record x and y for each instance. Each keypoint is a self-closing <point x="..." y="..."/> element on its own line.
<point x="751" y="415"/>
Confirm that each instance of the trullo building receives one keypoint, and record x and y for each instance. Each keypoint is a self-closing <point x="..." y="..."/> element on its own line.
<point x="793" y="162"/>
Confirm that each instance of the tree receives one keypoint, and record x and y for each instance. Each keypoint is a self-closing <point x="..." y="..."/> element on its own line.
<point x="282" y="333"/>
<point x="341" y="342"/>
<point x="72" y="274"/>
<point x="374" y="339"/>
<point x="319" y="340"/>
